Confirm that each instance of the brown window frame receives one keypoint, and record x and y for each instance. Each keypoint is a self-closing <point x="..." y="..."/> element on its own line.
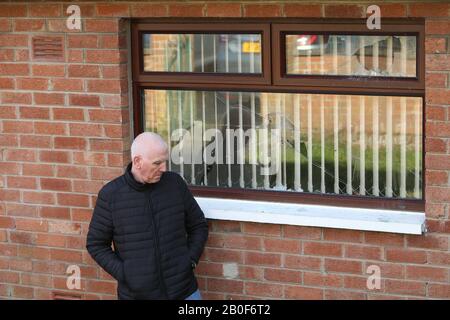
<point x="274" y="80"/>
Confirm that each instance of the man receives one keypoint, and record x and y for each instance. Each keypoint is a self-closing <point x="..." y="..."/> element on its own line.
<point x="156" y="226"/>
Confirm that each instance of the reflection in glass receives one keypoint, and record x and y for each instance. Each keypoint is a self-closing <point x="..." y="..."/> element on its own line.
<point x="331" y="144"/>
<point x="210" y="53"/>
<point x="374" y="56"/>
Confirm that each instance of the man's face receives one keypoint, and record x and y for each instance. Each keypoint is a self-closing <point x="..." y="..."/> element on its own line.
<point x="153" y="165"/>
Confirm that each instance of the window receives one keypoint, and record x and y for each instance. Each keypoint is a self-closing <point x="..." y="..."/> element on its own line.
<point x="317" y="112"/>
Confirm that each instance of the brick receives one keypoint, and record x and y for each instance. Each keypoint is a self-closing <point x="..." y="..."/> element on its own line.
<point x="34" y="113"/>
<point x="33" y="252"/>
<point x="13" y="40"/>
<point x="70" y="143"/>
<point x="29" y="25"/>
<point x="428" y="242"/>
<point x="111" y="173"/>
<point x="220" y="255"/>
<point x="81" y="215"/>
<point x="16" y="69"/>
<point x="20" y="155"/>
<point x="7" y="55"/>
<point x="85" y="130"/>
<point x="427" y="273"/>
<point x="8" y="112"/>
<point x="303" y="293"/>
<point x="301" y="262"/>
<point x="8" y="250"/>
<point x="52" y="128"/>
<point x="344" y="266"/>
<point x="344" y="11"/>
<point x="31" y="225"/>
<point x="106" y="145"/>
<point x="91" y="159"/>
<point x="73" y="200"/>
<point x="384" y="239"/>
<point x="392" y="10"/>
<point x="15" y="98"/>
<point x="55" y="213"/>
<point x="262" y="229"/>
<point x="64" y="227"/>
<point x="9" y="195"/>
<point x="266" y="259"/>
<point x="437" y="129"/>
<point x="105" y="56"/>
<point x="39" y="169"/>
<point x="405" y="255"/>
<point x="302" y="11"/>
<point x="22" y="237"/>
<point x="101" y="25"/>
<point x="5" y="25"/>
<point x="435" y="45"/>
<point x="437" y="62"/>
<point x="20" y="265"/>
<point x="149" y="10"/>
<point x="7" y="223"/>
<point x="322" y="249"/>
<point x="215" y="240"/>
<point x="437" y="27"/>
<point x="436" y="162"/>
<point x="48" y="70"/>
<point x="282" y="245"/>
<point x="49" y="98"/>
<point x="21" y="210"/>
<point x="54" y="156"/>
<point x="6" y="83"/>
<point x="301" y="232"/>
<point x="262" y="10"/>
<point x="71" y="114"/>
<point x="21" y="182"/>
<point x="65" y="255"/>
<point x="281" y="275"/>
<point x="439" y="258"/>
<point x="55" y="184"/>
<point x="104" y="86"/>
<point x="83" y="71"/>
<point x="75" y="55"/>
<point x="226" y="286"/>
<point x="116" y="131"/>
<point x="32" y="83"/>
<point x="13" y="10"/>
<point x="343" y="295"/>
<point x="223" y="10"/>
<point x="113" y="10"/>
<point x="435" y="145"/>
<point x="38" y="197"/>
<point x="83" y="41"/>
<point x="405" y="287"/>
<point x="8" y="140"/>
<point x="67" y="85"/>
<point x="437" y="178"/>
<point x="84" y="100"/>
<point x="436" y="113"/>
<point x="106" y="115"/>
<point x="186" y="10"/>
<point x="437" y="194"/>
<point x="429" y="10"/>
<point x="387" y="270"/>
<point x="264" y="289"/>
<point x="437" y="96"/>
<point x="322" y="279"/>
<point x="45" y="10"/>
<point x="341" y="235"/>
<point x="71" y="172"/>
<point x="22" y="54"/>
<point x="439" y="290"/>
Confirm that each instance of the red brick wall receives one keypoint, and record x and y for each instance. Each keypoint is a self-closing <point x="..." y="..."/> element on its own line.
<point x="64" y="132"/>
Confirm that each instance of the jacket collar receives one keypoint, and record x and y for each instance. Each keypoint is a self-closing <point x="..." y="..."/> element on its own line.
<point x="129" y="178"/>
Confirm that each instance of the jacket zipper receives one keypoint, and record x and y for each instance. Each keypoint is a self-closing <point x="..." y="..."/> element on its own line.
<point x="157" y="253"/>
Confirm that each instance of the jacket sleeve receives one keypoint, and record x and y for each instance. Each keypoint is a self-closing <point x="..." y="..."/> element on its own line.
<point x="195" y="222"/>
<point x="99" y="239"/>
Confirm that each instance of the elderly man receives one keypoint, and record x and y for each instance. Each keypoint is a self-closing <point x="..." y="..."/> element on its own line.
<point x="156" y="226"/>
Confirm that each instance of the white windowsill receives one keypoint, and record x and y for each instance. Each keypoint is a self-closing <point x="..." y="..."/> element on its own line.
<point x="406" y="222"/>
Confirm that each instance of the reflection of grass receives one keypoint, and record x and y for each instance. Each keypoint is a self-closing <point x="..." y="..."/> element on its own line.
<point x="368" y="168"/>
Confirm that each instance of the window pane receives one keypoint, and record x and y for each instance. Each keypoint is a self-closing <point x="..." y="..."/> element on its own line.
<point x="333" y="144"/>
<point x="202" y="53"/>
<point x="373" y="56"/>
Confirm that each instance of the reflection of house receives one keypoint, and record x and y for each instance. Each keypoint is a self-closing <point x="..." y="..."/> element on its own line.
<point x="71" y="101"/>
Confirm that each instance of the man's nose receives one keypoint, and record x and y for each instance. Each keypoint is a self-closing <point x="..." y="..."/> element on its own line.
<point x="164" y="167"/>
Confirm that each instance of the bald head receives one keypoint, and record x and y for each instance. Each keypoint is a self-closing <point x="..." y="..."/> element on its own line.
<point x="147" y="143"/>
<point x="149" y="154"/>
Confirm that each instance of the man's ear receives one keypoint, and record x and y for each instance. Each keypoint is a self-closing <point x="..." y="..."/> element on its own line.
<point x="137" y="162"/>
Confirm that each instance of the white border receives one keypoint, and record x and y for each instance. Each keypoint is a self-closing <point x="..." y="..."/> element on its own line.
<point x="405" y="222"/>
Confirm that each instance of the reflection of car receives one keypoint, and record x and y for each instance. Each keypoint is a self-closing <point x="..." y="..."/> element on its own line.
<point x="310" y="44"/>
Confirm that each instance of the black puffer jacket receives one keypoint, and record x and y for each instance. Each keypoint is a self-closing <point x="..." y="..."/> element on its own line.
<point x="157" y="229"/>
